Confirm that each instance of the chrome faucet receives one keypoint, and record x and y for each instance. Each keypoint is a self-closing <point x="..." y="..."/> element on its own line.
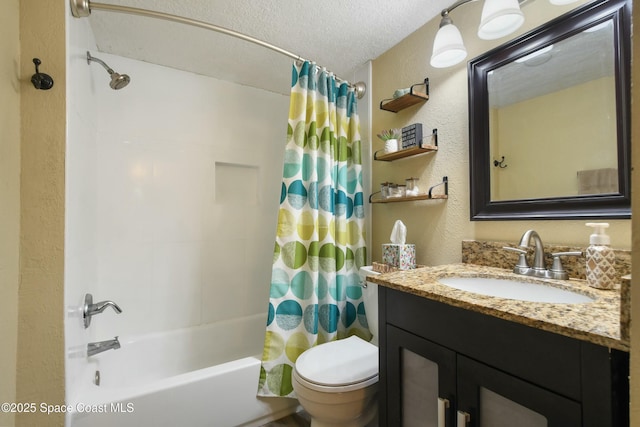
<point x="538" y="254"/>
<point x="91" y="309"/>
<point x="94" y="348"/>
<point x="538" y="269"/>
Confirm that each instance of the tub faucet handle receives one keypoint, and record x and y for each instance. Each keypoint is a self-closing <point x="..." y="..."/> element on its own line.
<point x="91" y="309"/>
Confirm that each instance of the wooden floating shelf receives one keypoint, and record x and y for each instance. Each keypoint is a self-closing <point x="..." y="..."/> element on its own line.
<point x="411" y="198"/>
<point x="408" y="99"/>
<point x="407" y="152"/>
<point x="427" y="196"/>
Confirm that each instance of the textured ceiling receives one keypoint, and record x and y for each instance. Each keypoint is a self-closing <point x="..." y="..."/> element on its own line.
<point x="340" y="35"/>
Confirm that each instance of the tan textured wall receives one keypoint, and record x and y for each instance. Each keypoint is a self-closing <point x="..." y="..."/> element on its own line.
<point x="635" y="184"/>
<point x="438" y="227"/>
<point x="40" y="368"/>
<point x="9" y="200"/>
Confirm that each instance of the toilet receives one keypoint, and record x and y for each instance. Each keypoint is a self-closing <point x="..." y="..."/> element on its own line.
<point x="337" y="382"/>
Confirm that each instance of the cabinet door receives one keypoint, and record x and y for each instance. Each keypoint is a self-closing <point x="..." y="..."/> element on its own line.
<point x="491" y="398"/>
<point x="420" y="380"/>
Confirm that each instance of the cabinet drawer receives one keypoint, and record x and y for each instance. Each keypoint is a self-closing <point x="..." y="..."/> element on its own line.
<point x="517" y="349"/>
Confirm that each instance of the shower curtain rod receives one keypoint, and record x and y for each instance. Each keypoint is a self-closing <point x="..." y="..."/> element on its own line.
<point x="83" y="8"/>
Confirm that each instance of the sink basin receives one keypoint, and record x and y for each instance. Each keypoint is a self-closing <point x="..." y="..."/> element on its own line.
<point x="515" y="289"/>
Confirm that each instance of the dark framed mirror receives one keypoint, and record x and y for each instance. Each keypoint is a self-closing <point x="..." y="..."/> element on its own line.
<point x="549" y="120"/>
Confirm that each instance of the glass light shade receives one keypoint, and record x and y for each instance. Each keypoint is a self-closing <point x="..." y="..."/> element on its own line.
<point x="561" y="2"/>
<point x="448" y="48"/>
<point x="499" y="18"/>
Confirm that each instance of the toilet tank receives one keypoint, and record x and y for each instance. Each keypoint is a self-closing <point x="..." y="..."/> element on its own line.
<point x="370" y="298"/>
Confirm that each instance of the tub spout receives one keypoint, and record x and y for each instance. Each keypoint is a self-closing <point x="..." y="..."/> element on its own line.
<point x="94" y="348"/>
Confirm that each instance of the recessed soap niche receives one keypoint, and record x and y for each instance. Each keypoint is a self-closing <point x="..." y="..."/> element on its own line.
<point x="237" y="183"/>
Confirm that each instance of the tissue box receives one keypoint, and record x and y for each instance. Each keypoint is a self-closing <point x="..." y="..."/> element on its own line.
<point x="400" y="256"/>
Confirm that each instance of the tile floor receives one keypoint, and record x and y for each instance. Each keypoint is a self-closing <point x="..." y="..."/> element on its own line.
<point x="299" y="419"/>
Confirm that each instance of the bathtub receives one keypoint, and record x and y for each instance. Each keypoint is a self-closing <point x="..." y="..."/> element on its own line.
<point x="194" y="377"/>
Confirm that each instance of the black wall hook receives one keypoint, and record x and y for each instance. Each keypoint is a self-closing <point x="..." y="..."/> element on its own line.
<point x="41" y="80"/>
<point x="499" y="164"/>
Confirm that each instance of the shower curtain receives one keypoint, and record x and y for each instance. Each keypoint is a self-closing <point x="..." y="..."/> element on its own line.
<point x="315" y="293"/>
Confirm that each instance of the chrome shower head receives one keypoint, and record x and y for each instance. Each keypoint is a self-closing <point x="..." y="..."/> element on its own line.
<point x="118" y="81"/>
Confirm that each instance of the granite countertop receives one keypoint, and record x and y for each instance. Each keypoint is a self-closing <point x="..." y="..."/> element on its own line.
<point x="598" y="322"/>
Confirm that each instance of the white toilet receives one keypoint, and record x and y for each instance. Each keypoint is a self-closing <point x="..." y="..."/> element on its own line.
<point x="337" y="382"/>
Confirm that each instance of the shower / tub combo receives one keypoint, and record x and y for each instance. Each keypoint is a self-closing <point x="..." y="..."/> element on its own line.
<point x="201" y="375"/>
<point x="146" y="185"/>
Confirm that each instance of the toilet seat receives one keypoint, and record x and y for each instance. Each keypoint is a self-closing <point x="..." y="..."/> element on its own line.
<point x="338" y="366"/>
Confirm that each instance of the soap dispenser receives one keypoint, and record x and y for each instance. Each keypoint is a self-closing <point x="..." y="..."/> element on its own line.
<point x="601" y="260"/>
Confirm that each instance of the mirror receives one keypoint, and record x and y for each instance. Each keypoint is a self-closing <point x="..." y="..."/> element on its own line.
<point x="549" y="120"/>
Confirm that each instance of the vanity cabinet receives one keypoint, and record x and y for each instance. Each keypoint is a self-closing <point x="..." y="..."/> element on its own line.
<point x="446" y="366"/>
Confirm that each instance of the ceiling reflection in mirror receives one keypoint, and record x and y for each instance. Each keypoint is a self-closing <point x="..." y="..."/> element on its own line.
<point x="552" y="120"/>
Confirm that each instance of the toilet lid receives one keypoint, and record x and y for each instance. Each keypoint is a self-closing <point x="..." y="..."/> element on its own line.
<point x="339" y="363"/>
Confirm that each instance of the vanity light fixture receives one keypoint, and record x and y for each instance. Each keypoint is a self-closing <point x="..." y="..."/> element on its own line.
<point x="499" y="18"/>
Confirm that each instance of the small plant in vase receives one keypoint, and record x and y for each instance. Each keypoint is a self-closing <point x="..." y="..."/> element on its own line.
<point x="390" y="138"/>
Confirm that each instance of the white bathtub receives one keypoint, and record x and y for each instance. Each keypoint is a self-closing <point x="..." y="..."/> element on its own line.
<point x="196" y="377"/>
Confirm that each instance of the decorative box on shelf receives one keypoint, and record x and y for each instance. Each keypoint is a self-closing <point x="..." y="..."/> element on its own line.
<point x="412" y="136"/>
<point x="428" y="144"/>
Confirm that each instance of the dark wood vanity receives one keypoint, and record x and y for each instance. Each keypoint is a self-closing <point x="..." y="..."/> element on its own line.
<point x="481" y="370"/>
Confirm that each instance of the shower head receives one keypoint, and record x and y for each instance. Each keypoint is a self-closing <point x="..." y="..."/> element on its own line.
<point x="118" y="81"/>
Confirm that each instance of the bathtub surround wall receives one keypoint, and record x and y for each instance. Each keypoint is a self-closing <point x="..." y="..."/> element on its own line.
<point x="80" y="216"/>
<point x="172" y="210"/>
<point x="187" y="193"/>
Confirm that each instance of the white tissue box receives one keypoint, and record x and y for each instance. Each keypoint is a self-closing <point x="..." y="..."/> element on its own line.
<point x="400" y="256"/>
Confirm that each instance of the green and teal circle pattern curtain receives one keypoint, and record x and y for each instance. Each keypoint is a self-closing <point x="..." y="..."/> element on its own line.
<point x="315" y="293"/>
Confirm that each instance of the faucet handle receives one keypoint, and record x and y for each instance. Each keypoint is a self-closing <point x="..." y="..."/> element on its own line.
<point x="557" y="271"/>
<point x="522" y="264"/>
<point x="519" y="250"/>
<point x="91" y="309"/>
